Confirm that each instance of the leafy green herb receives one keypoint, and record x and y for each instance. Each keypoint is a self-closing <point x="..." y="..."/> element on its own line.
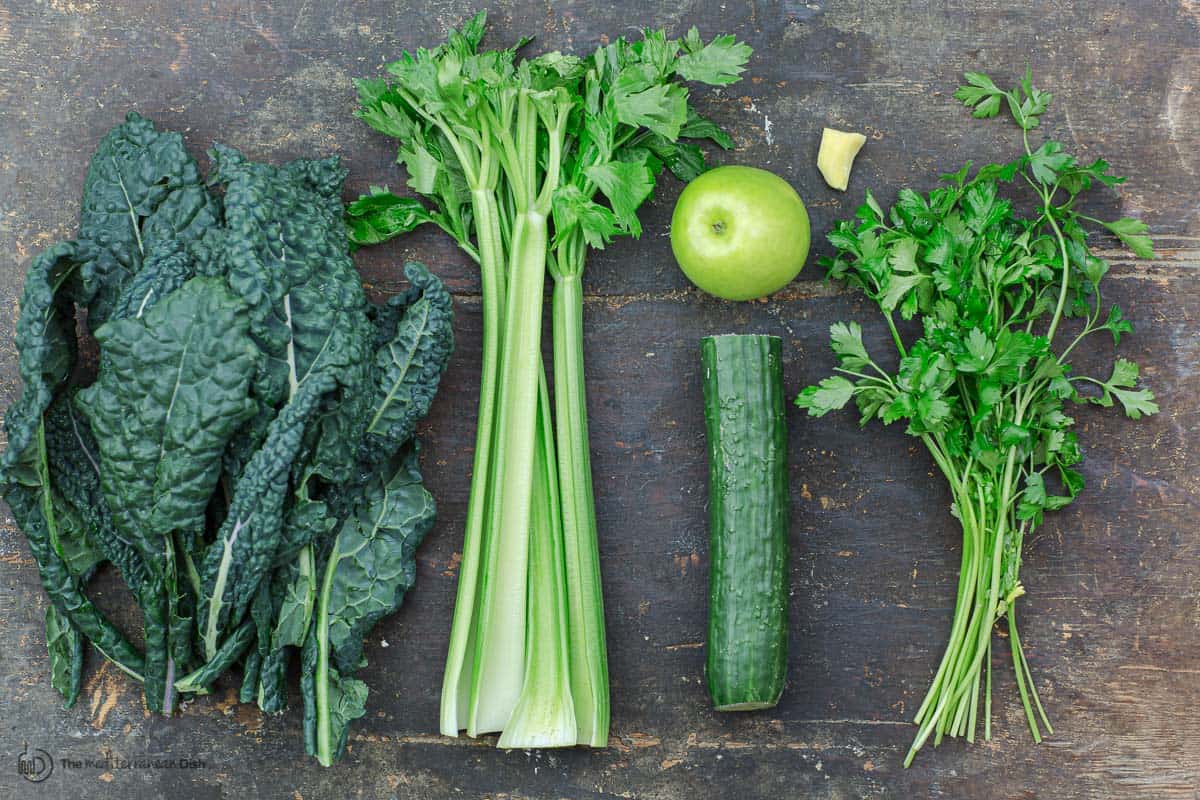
<point x="985" y="384"/>
<point x="248" y="405"/>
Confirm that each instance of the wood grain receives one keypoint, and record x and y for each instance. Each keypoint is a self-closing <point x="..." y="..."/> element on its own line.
<point x="1112" y="621"/>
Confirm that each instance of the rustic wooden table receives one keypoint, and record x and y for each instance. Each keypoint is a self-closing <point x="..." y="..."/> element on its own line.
<point x="1113" y="618"/>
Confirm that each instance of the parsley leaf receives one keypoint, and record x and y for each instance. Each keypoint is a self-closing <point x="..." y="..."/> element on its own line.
<point x="1120" y="385"/>
<point x="1132" y="233"/>
<point x="1117" y="324"/>
<point x="979" y="353"/>
<point x="830" y="394"/>
<point x="981" y="93"/>
<point x="846" y="340"/>
<point x="1048" y="161"/>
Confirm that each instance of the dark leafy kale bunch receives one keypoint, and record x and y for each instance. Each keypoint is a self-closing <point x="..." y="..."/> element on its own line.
<point x="244" y="454"/>
<point x="985" y="385"/>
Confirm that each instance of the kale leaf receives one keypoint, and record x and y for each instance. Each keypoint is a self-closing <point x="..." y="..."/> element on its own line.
<point x="171" y="391"/>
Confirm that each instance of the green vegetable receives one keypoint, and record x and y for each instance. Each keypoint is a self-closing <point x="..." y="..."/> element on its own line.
<point x="527" y="163"/>
<point x="748" y="514"/>
<point x="367" y="571"/>
<point x="250" y="413"/>
<point x="984" y="384"/>
<point x="171" y="391"/>
<point x="65" y="644"/>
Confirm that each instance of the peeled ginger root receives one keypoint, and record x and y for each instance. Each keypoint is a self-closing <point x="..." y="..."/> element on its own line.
<point x="836" y="156"/>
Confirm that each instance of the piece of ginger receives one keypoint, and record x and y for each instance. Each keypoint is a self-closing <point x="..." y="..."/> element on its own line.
<point x="836" y="156"/>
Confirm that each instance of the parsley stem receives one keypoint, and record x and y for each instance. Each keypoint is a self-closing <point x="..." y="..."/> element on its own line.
<point x="964" y="631"/>
<point x="1062" y="358"/>
<point x="1066" y="269"/>
<point x="987" y="697"/>
<point x="936" y="449"/>
<point x="885" y="380"/>
<point x="895" y="334"/>
<point x="1037" y="701"/>
<point x="1015" y="642"/>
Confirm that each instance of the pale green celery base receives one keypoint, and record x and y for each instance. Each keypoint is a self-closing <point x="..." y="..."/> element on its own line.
<point x="585" y="600"/>
<point x="544" y="715"/>
<point x="460" y="658"/>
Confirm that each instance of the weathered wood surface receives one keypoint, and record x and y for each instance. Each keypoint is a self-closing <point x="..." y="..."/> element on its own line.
<point x="1112" y="623"/>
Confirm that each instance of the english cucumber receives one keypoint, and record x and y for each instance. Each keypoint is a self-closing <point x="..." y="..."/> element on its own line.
<point x="748" y="520"/>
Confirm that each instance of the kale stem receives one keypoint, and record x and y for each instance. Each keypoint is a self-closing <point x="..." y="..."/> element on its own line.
<point x="44" y="490"/>
<point x="324" y="726"/>
<point x="189" y="565"/>
<point x="170" y="585"/>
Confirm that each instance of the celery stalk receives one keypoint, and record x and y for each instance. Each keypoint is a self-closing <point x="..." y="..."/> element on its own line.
<point x="544" y="715"/>
<point x="500" y="636"/>
<point x="460" y="660"/>
<point x="585" y="600"/>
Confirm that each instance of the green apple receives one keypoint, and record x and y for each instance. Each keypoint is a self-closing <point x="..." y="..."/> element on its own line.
<point x="740" y="232"/>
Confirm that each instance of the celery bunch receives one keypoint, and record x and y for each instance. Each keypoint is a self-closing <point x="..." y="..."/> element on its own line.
<point x="528" y="163"/>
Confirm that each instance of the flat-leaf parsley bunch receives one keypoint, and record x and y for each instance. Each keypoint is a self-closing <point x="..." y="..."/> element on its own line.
<point x="986" y="384"/>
